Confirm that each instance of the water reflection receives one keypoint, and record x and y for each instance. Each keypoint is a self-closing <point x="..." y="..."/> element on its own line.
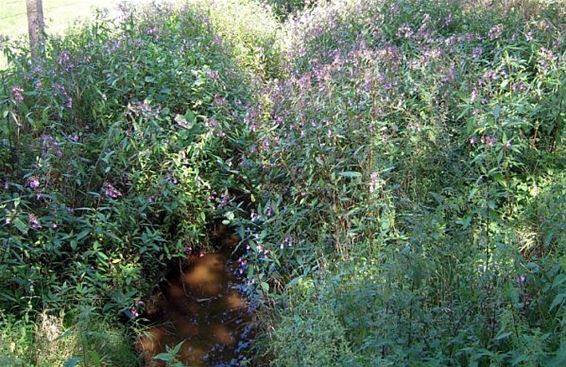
<point x="204" y="307"/>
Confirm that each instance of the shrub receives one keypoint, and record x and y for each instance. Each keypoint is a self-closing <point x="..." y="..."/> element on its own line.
<point x="393" y="158"/>
<point x="117" y="150"/>
<point x="251" y="29"/>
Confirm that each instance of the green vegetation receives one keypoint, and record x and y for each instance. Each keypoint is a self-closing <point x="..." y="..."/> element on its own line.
<point x="59" y="15"/>
<point x="396" y="170"/>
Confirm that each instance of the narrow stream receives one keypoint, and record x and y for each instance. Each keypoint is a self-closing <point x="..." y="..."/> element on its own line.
<point x="205" y="307"/>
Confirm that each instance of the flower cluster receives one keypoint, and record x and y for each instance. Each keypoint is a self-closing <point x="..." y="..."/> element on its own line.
<point x="111" y="191"/>
<point x="50" y="146"/>
<point x="33" y="182"/>
<point x="17" y="94"/>
<point x="60" y="90"/>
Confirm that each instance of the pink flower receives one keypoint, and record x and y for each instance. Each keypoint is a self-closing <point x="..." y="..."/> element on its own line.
<point x="374" y="180"/>
<point x="495" y="32"/>
<point x="489" y="140"/>
<point x="17" y="94"/>
<point x="34" y="222"/>
<point x="33" y="182"/>
<point x="111" y="191"/>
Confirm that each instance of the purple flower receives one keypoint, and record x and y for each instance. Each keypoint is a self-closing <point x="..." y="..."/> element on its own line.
<point x="38" y="84"/>
<point x="219" y="100"/>
<point x="17" y="94"/>
<point x="34" y="222"/>
<point x="59" y="88"/>
<point x="212" y="123"/>
<point x="495" y="32"/>
<point x="488" y="76"/>
<point x="450" y="74"/>
<point x="171" y="179"/>
<point x="213" y="74"/>
<point x="265" y="143"/>
<point x="529" y="36"/>
<point x="69" y="102"/>
<point x="33" y="182"/>
<point x="64" y="60"/>
<point x="288" y="241"/>
<point x="269" y="211"/>
<point x="448" y="20"/>
<point x="518" y="87"/>
<point x="546" y="58"/>
<point x="404" y="31"/>
<point x="477" y="52"/>
<point x="139" y="108"/>
<point x="474" y="95"/>
<point x="111" y="191"/>
<point x="374" y="181"/>
<point x="225" y="199"/>
<point x="489" y="140"/>
<point x="473" y="140"/>
<point x="50" y="145"/>
<point x="134" y="312"/>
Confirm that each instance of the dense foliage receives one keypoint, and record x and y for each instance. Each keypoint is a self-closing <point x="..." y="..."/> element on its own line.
<point x="118" y="149"/>
<point x="395" y="168"/>
<point x="416" y="179"/>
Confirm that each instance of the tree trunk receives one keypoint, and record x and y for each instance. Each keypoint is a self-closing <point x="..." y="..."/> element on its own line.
<point x="36" y="27"/>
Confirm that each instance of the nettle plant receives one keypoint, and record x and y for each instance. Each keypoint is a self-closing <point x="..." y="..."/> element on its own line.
<point x="117" y="149"/>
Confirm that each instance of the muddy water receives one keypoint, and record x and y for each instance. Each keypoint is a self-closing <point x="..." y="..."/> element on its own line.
<point x="204" y="307"/>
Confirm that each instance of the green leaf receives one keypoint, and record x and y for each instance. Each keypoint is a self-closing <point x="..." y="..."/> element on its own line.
<point x="350" y="174"/>
<point x="21" y="225"/>
<point x="465" y="222"/>
<point x="502" y="336"/>
<point x="164" y="357"/>
<point x="558" y="300"/>
<point x="82" y="234"/>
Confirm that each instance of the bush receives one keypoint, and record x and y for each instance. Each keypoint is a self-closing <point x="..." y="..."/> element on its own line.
<point x="118" y="149"/>
<point x="397" y="156"/>
<point x="251" y="29"/>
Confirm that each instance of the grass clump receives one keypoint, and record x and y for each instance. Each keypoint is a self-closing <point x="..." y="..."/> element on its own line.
<point x="47" y="341"/>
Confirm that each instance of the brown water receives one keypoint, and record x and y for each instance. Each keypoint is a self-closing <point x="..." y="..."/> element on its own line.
<point x="204" y="307"/>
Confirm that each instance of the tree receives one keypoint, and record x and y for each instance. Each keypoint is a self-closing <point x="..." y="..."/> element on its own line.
<point x="36" y="27"/>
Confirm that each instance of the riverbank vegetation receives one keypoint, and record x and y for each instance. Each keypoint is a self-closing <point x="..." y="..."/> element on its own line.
<point x="395" y="171"/>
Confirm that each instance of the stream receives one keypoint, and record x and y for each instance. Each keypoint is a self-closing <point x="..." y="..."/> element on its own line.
<point x="204" y="305"/>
